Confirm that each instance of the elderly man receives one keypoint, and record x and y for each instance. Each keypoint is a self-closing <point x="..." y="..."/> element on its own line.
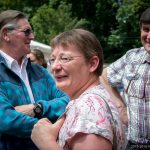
<point x="27" y="91"/>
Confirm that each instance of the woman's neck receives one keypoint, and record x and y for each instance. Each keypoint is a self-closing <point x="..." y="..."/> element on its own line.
<point x="89" y="84"/>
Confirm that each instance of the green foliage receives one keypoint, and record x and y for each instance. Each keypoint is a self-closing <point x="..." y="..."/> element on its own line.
<point x="127" y="33"/>
<point x="52" y="19"/>
<point x="114" y="22"/>
<point x="27" y="6"/>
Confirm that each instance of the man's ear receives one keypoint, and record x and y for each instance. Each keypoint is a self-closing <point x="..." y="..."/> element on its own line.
<point x="94" y="62"/>
<point x="4" y="34"/>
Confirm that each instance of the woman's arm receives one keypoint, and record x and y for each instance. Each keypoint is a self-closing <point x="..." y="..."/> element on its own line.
<point x="83" y="141"/>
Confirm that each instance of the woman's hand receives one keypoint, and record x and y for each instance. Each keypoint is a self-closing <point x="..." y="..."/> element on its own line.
<point x="45" y="133"/>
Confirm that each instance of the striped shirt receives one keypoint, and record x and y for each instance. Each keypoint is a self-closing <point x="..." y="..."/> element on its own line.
<point x="133" y="71"/>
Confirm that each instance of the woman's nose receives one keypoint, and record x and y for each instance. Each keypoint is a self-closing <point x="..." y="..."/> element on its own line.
<point x="56" y="66"/>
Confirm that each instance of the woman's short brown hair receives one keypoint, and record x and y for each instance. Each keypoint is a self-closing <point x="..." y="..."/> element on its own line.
<point x="85" y="41"/>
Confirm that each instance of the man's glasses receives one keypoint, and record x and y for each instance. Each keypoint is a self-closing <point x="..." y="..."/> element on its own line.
<point x="27" y="31"/>
<point x="62" y="59"/>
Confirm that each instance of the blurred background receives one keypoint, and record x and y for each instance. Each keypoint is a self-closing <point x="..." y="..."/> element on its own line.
<point x="115" y="22"/>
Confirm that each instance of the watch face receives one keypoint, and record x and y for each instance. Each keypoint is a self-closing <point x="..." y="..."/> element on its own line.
<point x="38" y="109"/>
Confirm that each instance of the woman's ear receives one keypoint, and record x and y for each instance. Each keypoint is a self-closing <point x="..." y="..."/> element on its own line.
<point x="94" y="62"/>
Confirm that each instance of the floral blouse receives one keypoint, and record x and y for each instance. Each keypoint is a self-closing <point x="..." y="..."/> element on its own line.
<point x="92" y="113"/>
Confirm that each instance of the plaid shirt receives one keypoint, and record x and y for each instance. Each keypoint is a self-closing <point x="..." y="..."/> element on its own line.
<point x="16" y="127"/>
<point x="133" y="71"/>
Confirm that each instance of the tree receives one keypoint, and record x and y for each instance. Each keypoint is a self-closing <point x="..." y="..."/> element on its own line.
<point x="54" y="18"/>
<point x="127" y="33"/>
<point x="102" y="17"/>
<point x="27" y="6"/>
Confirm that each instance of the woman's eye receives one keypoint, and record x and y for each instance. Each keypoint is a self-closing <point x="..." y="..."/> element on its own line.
<point x="64" y="59"/>
<point x="51" y="60"/>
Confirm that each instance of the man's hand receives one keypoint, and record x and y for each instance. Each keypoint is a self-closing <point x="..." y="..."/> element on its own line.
<point x="123" y="115"/>
<point x="26" y="109"/>
<point x="116" y="97"/>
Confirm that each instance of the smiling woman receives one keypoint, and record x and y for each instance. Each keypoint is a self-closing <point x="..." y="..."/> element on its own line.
<point x="92" y="120"/>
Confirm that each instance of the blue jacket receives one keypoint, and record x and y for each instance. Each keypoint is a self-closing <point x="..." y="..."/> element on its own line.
<point x="16" y="127"/>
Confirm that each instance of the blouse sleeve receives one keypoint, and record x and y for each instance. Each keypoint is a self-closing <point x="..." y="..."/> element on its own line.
<point x="89" y="115"/>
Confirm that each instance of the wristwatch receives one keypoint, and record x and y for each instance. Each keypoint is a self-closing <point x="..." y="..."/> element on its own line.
<point x="38" y="110"/>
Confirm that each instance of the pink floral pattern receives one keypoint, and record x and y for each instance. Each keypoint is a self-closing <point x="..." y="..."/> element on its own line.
<point x="89" y="114"/>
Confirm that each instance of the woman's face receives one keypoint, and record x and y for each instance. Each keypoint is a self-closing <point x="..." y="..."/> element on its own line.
<point x="33" y="59"/>
<point x="70" y="69"/>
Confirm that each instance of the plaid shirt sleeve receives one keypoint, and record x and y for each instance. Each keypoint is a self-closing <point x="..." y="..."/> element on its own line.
<point x="115" y="71"/>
